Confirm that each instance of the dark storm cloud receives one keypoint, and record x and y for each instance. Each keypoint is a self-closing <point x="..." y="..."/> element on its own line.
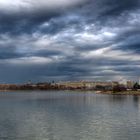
<point x="18" y="24"/>
<point x="19" y="18"/>
<point x="115" y="7"/>
<point x="69" y="40"/>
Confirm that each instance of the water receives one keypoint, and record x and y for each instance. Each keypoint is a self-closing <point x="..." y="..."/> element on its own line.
<point x="68" y="115"/>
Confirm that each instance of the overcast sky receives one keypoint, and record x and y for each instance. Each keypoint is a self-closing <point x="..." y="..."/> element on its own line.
<point x="45" y="40"/>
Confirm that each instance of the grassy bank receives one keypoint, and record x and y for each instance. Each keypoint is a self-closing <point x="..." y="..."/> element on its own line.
<point x="121" y="92"/>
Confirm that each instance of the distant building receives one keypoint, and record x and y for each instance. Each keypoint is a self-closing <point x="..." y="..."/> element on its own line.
<point x="88" y="84"/>
<point x="73" y="84"/>
<point x="130" y="84"/>
<point x="115" y="83"/>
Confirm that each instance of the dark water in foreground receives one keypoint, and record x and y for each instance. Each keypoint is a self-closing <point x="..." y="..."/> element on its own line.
<point x="66" y="115"/>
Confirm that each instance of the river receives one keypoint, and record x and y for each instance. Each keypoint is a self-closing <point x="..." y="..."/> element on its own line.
<point x="68" y="115"/>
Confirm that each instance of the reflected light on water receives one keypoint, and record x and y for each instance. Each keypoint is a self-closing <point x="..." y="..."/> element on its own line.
<point x="68" y="115"/>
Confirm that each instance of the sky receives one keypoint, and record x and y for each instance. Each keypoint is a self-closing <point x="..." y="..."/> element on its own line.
<point x="69" y="40"/>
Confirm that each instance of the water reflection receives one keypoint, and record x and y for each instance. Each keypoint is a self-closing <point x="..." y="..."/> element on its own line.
<point x="68" y="116"/>
<point x="136" y="101"/>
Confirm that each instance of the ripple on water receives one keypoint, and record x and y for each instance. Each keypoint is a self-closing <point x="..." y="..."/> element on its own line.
<point x="68" y="116"/>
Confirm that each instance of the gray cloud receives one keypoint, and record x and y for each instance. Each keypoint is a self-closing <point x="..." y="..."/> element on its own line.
<point x="77" y="40"/>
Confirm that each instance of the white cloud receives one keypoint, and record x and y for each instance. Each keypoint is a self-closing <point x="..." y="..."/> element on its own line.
<point x="33" y="5"/>
<point x="32" y="60"/>
<point x="96" y="53"/>
<point x="113" y="54"/>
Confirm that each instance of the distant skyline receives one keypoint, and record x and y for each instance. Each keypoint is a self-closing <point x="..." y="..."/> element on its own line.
<point x="66" y="40"/>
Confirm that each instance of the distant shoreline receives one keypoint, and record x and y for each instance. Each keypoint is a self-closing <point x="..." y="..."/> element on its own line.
<point x="111" y="88"/>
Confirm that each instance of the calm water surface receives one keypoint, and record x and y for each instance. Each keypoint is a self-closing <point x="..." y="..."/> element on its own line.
<point x="66" y="115"/>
